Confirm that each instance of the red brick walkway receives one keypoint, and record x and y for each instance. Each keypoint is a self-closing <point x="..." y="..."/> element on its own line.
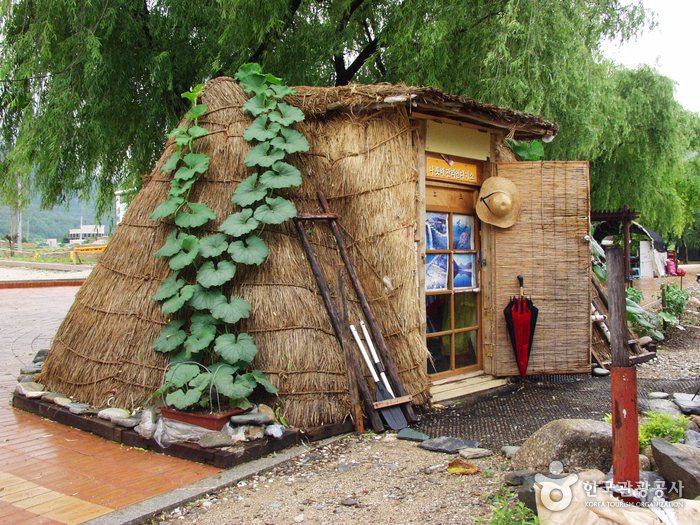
<point x="50" y="473"/>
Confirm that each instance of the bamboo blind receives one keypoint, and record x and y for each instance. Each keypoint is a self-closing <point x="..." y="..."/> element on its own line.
<point x="547" y="247"/>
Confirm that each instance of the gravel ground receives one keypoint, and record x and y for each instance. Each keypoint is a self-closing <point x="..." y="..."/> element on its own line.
<point x="358" y="479"/>
<point x="15" y="274"/>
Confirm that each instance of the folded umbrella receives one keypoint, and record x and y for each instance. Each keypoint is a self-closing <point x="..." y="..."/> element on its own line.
<point x="521" y="318"/>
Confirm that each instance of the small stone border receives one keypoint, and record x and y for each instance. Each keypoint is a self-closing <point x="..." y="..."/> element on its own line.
<point x="223" y="459"/>
<point x="4" y="285"/>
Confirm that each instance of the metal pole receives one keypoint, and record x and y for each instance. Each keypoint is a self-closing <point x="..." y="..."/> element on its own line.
<point x="623" y="378"/>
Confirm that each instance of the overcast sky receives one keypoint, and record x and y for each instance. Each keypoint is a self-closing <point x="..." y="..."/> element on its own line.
<point x="673" y="48"/>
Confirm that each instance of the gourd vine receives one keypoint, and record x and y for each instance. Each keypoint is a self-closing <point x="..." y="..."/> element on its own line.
<point x="203" y="331"/>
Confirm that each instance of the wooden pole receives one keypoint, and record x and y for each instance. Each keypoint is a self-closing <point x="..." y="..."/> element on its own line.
<point x="372" y="414"/>
<point x="623" y="382"/>
<point x="353" y="380"/>
<point x="627" y="221"/>
<point x="389" y="366"/>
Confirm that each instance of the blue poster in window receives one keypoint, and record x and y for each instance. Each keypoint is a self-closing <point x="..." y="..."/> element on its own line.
<point x="436" y="273"/>
<point x="462" y="228"/>
<point x="436" y="231"/>
<point x="463" y="270"/>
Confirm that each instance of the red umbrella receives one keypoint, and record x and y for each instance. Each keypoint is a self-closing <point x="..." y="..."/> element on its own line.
<point x="521" y="318"/>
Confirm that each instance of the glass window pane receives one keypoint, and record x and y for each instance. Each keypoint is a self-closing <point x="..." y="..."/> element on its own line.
<point x="466" y="310"/>
<point x="436" y="231"/>
<point x="466" y="349"/>
<point x="462" y="232"/>
<point x="439" y="348"/>
<point x="436" y="272"/>
<point x="437" y="309"/>
<point x="463" y="270"/>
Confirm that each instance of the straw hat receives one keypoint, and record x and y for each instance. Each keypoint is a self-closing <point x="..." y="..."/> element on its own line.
<point x="499" y="202"/>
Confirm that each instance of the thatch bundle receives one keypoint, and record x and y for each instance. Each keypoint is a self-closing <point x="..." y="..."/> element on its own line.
<point x="365" y="163"/>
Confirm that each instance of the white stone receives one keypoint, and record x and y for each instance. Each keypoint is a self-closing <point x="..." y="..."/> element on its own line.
<point x="62" y="401"/>
<point x="299" y="518"/>
<point x="30" y="389"/>
<point x="113" y="413"/>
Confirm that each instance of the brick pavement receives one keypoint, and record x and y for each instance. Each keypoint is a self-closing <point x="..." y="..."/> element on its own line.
<point x="53" y="474"/>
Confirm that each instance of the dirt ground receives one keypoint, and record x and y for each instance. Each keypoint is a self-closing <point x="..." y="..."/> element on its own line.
<point x="382" y="480"/>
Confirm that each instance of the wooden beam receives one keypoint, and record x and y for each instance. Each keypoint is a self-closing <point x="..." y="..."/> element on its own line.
<point x="617" y="318"/>
<point x="392" y="402"/>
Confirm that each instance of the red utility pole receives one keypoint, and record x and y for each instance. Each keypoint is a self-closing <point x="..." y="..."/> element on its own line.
<point x="625" y="420"/>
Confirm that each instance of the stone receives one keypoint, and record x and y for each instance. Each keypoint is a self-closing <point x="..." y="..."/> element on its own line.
<point x="215" y="440"/>
<point x="264" y="409"/>
<point x="644" y="462"/>
<point x="593" y="475"/>
<point x="692" y="451"/>
<point x="40" y="356"/>
<point x="78" y="408"/>
<point x="250" y="419"/>
<point x="62" y="401"/>
<point x="255" y="432"/>
<point x="677" y="466"/>
<point x="687" y="403"/>
<point x="50" y="396"/>
<point x="647" y="452"/>
<point x="30" y="389"/>
<point x="658" y="395"/>
<point x="692" y="438"/>
<point x="474" y="453"/>
<point x="509" y="451"/>
<point x="349" y="502"/>
<point x="126" y="422"/>
<point x="113" y="413"/>
<point x="448" y="445"/>
<point x="31" y="369"/>
<point x="412" y="435"/>
<point x="275" y="431"/>
<point x="516" y="478"/>
<point x="662" y="406"/>
<point x="600" y="372"/>
<point x="576" y="443"/>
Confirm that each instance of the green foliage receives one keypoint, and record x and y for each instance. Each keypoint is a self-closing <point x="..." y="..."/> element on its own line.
<point x="205" y="332"/>
<point x="635" y="295"/>
<point x="527" y="151"/>
<point x="508" y="511"/>
<point x="665" y="426"/>
<point x="673" y="299"/>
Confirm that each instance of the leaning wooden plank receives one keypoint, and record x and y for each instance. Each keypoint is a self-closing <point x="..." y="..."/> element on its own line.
<point x="392" y="402"/>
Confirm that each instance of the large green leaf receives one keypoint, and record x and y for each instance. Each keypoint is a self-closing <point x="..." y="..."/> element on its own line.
<point x="279" y="92"/>
<point x="210" y="275"/>
<point x="197" y="131"/>
<point x="254" y="83"/>
<point x="263" y="381"/>
<point x="178" y="300"/>
<point x="167" y="208"/>
<point x="262" y="155"/>
<point x="236" y="350"/>
<point x="171" y="247"/>
<point x="181" y="373"/>
<point x="247" y="69"/>
<point x="201" y="214"/>
<point x="243" y="387"/>
<point x="194" y="93"/>
<point x="286" y="176"/>
<point x="246" y="193"/>
<point x="180" y="186"/>
<point x="230" y="311"/>
<point x="171" y="163"/>
<point x="201" y="321"/>
<point x="188" y="253"/>
<point x="291" y="141"/>
<point x="286" y="115"/>
<point x="185" y="173"/>
<point x="171" y="337"/>
<point x="223" y="374"/>
<point x="259" y="104"/>
<point x="169" y="287"/>
<point x="203" y="298"/>
<point x="239" y="224"/>
<point x="252" y="250"/>
<point x="175" y="133"/>
<point x="197" y="342"/>
<point x="183" y="400"/>
<point x="260" y="130"/>
<point x="276" y="211"/>
<point x="213" y="245"/>
<point x="199" y="162"/>
<point x="197" y="111"/>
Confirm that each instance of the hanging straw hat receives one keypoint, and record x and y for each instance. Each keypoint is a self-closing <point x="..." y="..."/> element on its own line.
<point x="499" y="202"/>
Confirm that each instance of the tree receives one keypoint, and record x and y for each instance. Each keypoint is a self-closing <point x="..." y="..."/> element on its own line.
<point x="89" y="88"/>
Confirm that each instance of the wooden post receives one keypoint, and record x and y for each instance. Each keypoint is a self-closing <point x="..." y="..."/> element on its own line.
<point x="344" y="342"/>
<point x="627" y="221"/>
<point x="623" y="378"/>
<point x="372" y="414"/>
<point x="389" y="366"/>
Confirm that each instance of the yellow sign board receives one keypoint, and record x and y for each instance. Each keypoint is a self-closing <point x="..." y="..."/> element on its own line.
<point x="453" y="171"/>
<point x="91" y="249"/>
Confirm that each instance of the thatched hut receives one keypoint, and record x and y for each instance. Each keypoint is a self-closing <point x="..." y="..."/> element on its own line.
<point x="376" y="154"/>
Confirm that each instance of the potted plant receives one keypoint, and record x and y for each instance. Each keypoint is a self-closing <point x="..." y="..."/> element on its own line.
<point x="211" y="359"/>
